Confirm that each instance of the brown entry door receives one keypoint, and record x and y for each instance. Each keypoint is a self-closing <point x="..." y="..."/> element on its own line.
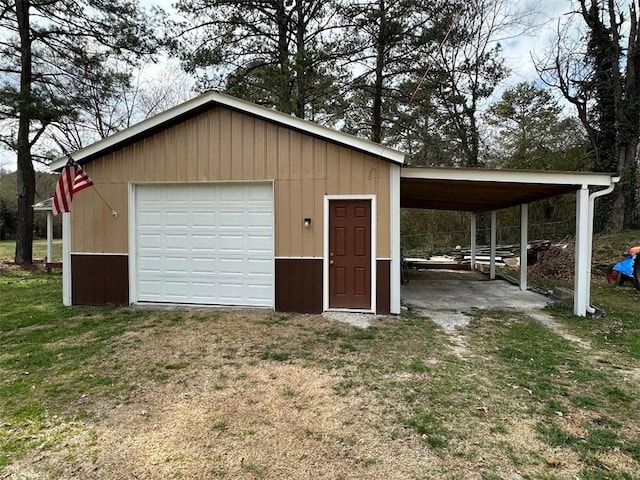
<point x="350" y="254"/>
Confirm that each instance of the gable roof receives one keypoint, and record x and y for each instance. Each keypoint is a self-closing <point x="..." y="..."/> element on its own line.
<point x="209" y="100"/>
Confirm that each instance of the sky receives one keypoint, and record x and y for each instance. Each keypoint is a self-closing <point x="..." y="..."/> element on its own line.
<point x="517" y="51"/>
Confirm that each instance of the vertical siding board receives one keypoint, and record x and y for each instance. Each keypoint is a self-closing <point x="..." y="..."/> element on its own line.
<point x="283" y="218"/>
<point x="332" y="168"/>
<point x="309" y="200"/>
<point x="282" y="284"/>
<point x="384" y="214"/>
<point x="383" y="289"/>
<point x="181" y="151"/>
<point x="319" y="158"/>
<point x="150" y="161"/>
<point x="358" y="172"/>
<point x="284" y="154"/>
<point x="319" y="189"/>
<point x="204" y="165"/>
<point x="296" y="215"/>
<point x="169" y="155"/>
<point x="296" y="286"/>
<point x="214" y="145"/>
<point x="309" y="287"/>
<point x="260" y="150"/>
<point x="225" y="144"/>
<point x="193" y="171"/>
<point x="272" y="151"/>
<point x="295" y="152"/>
<point x="248" y="148"/>
<point x="307" y="157"/>
<point x="237" y="138"/>
<point x="344" y="165"/>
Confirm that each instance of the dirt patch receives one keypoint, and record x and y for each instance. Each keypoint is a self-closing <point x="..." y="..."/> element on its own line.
<point x="549" y="322"/>
<point x="222" y="414"/>
<point x="9" y="265"/>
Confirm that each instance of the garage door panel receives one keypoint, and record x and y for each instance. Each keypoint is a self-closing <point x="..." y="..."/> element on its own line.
<point x="258" y="219"/>
<point x="204" y="241"/>
<point x="258" y="267"/>
<point x="232" y="244"/>
<point x="230" y="220"/>
<point x="206" y="244"/>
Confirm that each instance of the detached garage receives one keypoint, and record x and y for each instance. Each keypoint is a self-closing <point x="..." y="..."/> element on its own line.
<point x="222" y="202"/>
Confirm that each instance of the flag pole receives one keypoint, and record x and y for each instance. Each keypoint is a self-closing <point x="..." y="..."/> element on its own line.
<point x="71" y="161"/>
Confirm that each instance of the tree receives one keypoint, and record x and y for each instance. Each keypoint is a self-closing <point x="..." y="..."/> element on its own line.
<point x="50" y="51"/>
<point x="387" y="41"/>
<point x="451" y="86"/>
<point x="121" y="103"/>
<point x="600" y="76"/>
<point x="273" y="52"/>
<point x="469" y="66"/>
<point x="530" y="131"/>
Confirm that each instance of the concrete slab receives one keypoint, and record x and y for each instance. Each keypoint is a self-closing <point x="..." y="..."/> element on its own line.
<point x="360" y="320"/>
<point x="438" y="290"/>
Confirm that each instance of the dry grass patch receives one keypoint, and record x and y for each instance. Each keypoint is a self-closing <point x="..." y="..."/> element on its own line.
<point x="255" y="394"/>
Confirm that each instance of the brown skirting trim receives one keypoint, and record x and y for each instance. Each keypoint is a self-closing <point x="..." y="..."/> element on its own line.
<point x="299" y="285"/>
<point x="100" y="279"/>
<point x="383" y="290"/>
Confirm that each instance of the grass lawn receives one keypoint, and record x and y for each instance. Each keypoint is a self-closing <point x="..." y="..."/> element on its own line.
<point x="203" y="393"/>
<point x="8" y="250"/>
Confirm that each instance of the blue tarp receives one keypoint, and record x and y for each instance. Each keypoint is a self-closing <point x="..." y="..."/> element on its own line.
<point x="625" y="266"/>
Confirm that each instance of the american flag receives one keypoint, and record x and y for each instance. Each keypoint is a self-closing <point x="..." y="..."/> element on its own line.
<point x="72" y="179"/>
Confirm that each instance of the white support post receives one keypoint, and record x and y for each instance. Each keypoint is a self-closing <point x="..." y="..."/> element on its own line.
<point x="474" y="239"/>
<point x="582" y="257"/>
<point x="395" y="299"/>
<point x="524" y="227"/>
<point x="49" y="237"/>
<point x="492" y="261"/>
<point x="66" y="259"/>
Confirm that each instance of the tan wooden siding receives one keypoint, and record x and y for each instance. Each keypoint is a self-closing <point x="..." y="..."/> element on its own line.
<point x="225" y="145"/>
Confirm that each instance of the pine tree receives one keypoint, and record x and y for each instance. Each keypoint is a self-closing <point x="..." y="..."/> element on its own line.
<point x="277" y="53"/>
<point x="50" y="50"/>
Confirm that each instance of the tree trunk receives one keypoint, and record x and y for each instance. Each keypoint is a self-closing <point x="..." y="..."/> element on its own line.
<point x="473" y="153"/>
<point x="631" y="182"/>
<point x="301" y="59"/>
<point x="26" y="179"/>
<point x="284" y="87"/>
<point x="376" y="120"/>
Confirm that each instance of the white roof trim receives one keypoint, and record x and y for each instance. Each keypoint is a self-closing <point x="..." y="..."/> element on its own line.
<point x="237" y="104"/>
<point x="511" y="176"/>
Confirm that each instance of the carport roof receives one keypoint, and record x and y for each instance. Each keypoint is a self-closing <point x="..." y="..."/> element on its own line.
<point x="481" y="190"/>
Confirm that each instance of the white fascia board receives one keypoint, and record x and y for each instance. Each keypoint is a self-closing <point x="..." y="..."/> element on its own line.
<point x="241" y="105"/>
<point x="511" y="176"/>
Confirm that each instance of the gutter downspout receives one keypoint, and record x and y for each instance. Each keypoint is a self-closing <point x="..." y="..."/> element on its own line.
<point x="592" y="201"/>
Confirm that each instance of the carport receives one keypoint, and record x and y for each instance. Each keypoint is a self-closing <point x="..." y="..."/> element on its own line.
<point x="483" y="190"/>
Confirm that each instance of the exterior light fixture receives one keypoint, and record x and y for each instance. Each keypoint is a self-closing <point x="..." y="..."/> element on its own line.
<point x="307" y="222"/>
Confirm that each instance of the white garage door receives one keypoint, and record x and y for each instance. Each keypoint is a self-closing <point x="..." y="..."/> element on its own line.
<point x="205" y="244"/>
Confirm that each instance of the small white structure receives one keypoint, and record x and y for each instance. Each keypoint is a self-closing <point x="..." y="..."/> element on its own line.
<point x="47" y="206"/>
